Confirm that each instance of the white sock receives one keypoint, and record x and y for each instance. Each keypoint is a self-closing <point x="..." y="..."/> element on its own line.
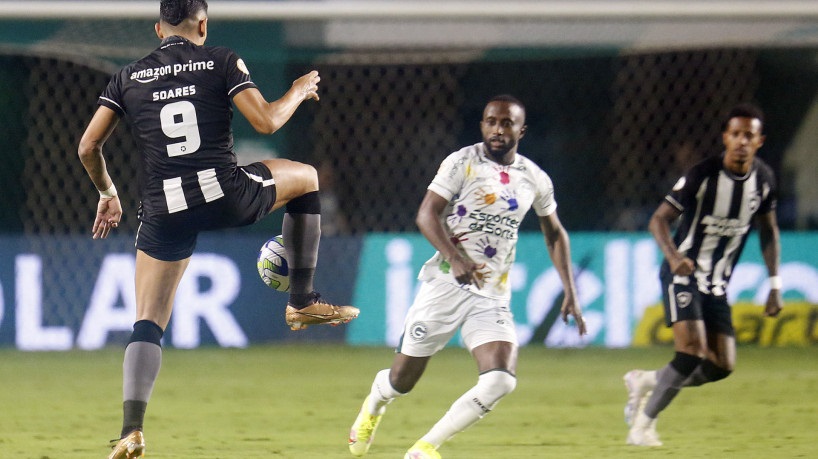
<point x="471" y="406"/>
<point x="382" y="393"/>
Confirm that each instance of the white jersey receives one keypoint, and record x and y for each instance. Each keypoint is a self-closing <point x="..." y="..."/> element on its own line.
<point x="487" y="202"/>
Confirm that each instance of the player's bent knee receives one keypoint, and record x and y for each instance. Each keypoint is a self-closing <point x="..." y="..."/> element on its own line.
<point x="714" y="372"/>
<point x="308" y="174"/>
<point x="494" y="385"/>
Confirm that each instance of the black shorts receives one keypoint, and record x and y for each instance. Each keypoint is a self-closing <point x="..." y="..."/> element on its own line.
<point x="686" y="302"/>
<point x="246" y="200"/>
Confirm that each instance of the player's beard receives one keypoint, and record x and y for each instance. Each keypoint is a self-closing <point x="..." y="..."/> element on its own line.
<point x="499" y="153"/>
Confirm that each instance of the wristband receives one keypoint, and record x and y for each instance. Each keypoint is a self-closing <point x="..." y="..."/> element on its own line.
<point x="109" y="193"/>
<point x="775" y="283"/>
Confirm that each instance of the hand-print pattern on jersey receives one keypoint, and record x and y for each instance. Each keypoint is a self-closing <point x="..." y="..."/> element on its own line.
<point x="487" y="202"/>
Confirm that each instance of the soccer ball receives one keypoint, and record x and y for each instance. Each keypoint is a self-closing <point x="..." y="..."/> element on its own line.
<point x="272" y="264"/>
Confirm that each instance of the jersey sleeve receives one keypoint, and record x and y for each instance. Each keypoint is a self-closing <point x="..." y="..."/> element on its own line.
<point x="450" y="176"/>
<point x="544" y="202"/>
<point x="111" y="96"/>
<point x="769" y="190"/>
<point x="683" y="193"/>
<point x="237" y="74"/>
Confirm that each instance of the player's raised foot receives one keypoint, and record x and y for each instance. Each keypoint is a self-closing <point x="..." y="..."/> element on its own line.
<point x="422" y="450"/>
<point x="638" y="383"/>
<point x="317" y="313"/>
<point x="130" y="446"/>
<point x="363" y="430"/>
<point x="643" y="432"/>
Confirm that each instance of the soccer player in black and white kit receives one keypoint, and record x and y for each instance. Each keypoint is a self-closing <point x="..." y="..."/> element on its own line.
<point x="718" y="200"/>
<point x="471" y="214"/>
<point x="179" y="102"/>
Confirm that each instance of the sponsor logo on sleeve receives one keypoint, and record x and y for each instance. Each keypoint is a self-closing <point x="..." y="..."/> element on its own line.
<point x="242" y="66"/>
<point x="679" y="184"/>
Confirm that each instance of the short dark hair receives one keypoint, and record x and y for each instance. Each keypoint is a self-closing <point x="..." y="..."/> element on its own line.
<point x="175" y="11"/>
<point x="509" y="99"/>
<point x="744" y="110"/>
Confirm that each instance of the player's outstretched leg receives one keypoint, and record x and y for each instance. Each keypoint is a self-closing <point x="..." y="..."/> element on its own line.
<point x="131" y="446"/>
<point x="301" y="231"/>
<point x="638" y="383"/>
<point x="471" y="407"/>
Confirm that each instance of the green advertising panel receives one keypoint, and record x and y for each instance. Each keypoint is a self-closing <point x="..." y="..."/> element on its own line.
<point x="617" y="283"/>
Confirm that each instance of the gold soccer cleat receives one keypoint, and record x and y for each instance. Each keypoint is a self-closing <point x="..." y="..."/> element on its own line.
<point x="131" y="446"/>
<point x="319" y="313"/>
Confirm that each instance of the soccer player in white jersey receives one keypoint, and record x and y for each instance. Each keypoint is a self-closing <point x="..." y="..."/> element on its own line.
<point x="471" y="214"/>
<point x="716" y="201"/>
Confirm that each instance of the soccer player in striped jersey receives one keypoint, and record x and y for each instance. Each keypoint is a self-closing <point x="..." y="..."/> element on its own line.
<point x="179" y="101"/>
<point x="471" y="214"/>
<point x="717" y="202"/>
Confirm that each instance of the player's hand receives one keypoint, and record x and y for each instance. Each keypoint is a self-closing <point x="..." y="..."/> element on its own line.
<point x="775" y="303"/>
<point x="570" y="307"/>
<point x="681" y="265"/>
<point x="466" y="271"/>
<point x="109" y="213"/>
<point x="307" y="85"/>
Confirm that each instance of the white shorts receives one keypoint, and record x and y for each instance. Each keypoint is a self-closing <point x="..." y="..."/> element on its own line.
<point x="441" y="308"/>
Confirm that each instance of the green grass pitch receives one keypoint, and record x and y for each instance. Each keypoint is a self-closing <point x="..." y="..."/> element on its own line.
<point x="299" y="401"/>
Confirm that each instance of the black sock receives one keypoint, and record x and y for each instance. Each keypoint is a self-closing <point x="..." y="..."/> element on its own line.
<point x="301" y="231"/>
<point x="302" y="300"/>
<point x="133" y="416"/>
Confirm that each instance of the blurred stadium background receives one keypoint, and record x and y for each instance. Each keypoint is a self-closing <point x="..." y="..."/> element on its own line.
<point x="621" y="96"/>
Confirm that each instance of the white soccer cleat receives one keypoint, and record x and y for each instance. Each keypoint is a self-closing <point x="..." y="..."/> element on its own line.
<point x="643" y="431"/>
<point x="639" y="384"/>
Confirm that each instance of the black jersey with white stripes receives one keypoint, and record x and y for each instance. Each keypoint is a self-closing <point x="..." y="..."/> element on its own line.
<point x="178" y="100"/>
<point x="717" y="213"/>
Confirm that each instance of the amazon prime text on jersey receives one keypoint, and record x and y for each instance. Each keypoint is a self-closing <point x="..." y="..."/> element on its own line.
<point x="153" y="73"/>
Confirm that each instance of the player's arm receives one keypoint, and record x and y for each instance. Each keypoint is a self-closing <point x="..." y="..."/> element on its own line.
<point x="559" y="249"/>
<point x="268" y="117"/>
<point x="431" y="226"/>
<point x="659" y="227"/>
<point x="770" y="239"/>
<point x="109" y="209"/>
